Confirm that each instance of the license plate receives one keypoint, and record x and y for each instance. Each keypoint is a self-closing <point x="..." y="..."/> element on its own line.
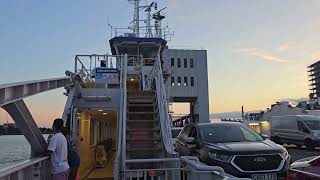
<point x="272" y="176"/>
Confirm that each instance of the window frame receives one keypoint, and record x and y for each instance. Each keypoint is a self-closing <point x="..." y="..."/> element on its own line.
<point x="172" y="62"/>
<point x="185" y="132"/>
<point x="194" y="131"/>
<point x="192" y="81"/>
<point x="179" y="81"/>
<point x="185" y="81"/>
<point x="302" y="127"/>
<point x="185" y="63"/>
<point x="191" y="63"/>
<point x="179" y="62"/>
<point x="172" y="81"/>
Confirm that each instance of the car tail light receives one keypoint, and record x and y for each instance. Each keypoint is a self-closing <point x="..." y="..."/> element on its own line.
<point x="152" y="173"/>
<point x="289" y="177"/>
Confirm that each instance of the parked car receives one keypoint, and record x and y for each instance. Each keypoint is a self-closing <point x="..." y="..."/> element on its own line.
<point x="296" y="129"/>
<point x="175" y="132"/>
<point x="239" y="150"/>
<point x="305" y="169"/>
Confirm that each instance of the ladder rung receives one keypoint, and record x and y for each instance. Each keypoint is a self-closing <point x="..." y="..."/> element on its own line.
<point x="139" y="105"/>
<point x="142" y="113"/>
<point x="142" y="121"/>
<point x="144" y="139"/>
<point x="139" y="92"/>
<point x="145" y="129"/>
<point x="141" y="97"/>
<point x="144" y="149"/>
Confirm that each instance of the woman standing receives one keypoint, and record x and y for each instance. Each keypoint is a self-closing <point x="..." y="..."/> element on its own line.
<point x="73" y="154"/>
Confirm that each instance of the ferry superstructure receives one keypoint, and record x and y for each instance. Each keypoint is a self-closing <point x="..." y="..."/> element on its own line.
<point x="120" y="101"/>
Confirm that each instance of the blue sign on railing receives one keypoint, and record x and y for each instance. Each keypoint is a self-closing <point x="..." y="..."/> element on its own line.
<point x="107" y="75"/>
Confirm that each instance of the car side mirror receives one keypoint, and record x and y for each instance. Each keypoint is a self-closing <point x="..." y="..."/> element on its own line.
<point x="191" y="142"/>
<point x="264" y="136"/>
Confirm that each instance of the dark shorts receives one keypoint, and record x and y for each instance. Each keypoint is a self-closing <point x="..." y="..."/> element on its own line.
<point x="61" y="175"/>
<point x="73" y="159"/>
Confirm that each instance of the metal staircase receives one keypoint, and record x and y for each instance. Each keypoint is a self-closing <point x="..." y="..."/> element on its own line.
<point x="148" y="135"/>
<point x="143" y="128"/>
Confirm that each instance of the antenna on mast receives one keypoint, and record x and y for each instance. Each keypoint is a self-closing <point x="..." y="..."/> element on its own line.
<point x="111" y="28"/>
<point x="148" y="20"/>
<point x="136" y="16"/>
<point x="157" y="17"/>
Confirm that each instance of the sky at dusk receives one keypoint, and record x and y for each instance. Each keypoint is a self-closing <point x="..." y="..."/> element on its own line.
<point x="258" y="51"/>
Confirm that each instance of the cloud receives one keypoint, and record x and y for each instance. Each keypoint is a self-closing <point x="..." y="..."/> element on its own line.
<point x="284" y="47"/>
<point x="315" y="55"/>
<point x="260" y="53"/>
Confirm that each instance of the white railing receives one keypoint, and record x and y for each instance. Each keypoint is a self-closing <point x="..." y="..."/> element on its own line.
<point x="35" y="169"/>
<point x="119" y="163"/>
<point x="170" y="169"/>
<point x="148" y="82"/>
<point x="163" y="107"/>
<point x="188" y="167"/>
<point x="86" y="65"/>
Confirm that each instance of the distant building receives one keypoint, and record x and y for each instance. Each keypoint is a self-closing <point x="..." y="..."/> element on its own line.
<point x="253" y="116"/>
<point x="261" y="124"/>
<point x="282" y="109"/>
<point x="7" y="125"/>
<point x="314" y="70"/>
<point x="188" y="80"/>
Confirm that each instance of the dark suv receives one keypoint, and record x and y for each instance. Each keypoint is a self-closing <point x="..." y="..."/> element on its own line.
<point x="239" y="150"/>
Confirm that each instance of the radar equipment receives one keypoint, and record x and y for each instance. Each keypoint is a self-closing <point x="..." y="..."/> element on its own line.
<point x="148" y="20"/>
<point x="157" y="23"/>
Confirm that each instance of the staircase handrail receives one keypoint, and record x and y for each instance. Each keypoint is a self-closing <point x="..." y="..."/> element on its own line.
<point x="151" y="77"/>
<point x="119" y="162"/>
<point x="163" y="108"/>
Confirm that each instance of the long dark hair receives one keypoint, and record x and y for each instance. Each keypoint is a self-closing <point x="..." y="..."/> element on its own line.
<point x="65" y="131"/>
<point x="58" y="124"/>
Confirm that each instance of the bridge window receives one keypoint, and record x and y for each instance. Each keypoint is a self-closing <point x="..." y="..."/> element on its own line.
<point x="172" y="62"/>
<point x="192" y="81"/>
<point x="191" y="63"/>
<point x="172" y="80"/>
<point x="179" y="81"/>
<point x="185" y="83"/>
<point x="185" y="63"/>
<point x="179" y="62"/>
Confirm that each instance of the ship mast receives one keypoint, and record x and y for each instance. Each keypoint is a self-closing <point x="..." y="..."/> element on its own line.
<point x="136" y="17"/>
<point x="157" y="17"/>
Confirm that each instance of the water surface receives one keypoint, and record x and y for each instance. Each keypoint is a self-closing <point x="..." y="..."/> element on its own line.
<point x="13" y="149"/>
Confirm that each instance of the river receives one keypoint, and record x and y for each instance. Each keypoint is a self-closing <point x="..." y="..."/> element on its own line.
<point x="13" y="149"/>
